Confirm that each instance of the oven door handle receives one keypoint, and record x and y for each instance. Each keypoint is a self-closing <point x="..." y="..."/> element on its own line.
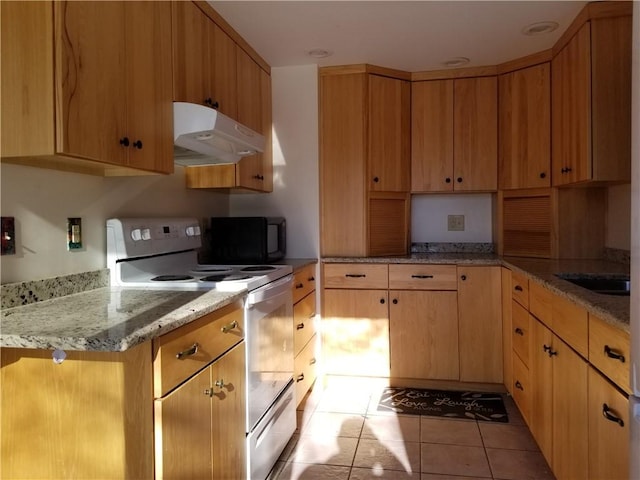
<point x="269" y="291"/>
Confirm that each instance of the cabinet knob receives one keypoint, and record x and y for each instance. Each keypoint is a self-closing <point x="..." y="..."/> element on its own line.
<point x="519" y="386"/>
<point x="382" y="301"/>
<point x="376" y="179"/>
<point x="518" y="288"/>
<point x="447" y="180"/>
<point x="463" y="277"/>
<point x="137" y="144"/>
<point x="519" y="331"/>
<point x="395" y="301"/>
<point x="124" y="141"/>
<point x="543" y="175"/>
<point x="459" y="179"/>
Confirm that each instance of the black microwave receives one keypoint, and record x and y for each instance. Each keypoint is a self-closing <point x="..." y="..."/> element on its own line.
<point x="246" y="240"/>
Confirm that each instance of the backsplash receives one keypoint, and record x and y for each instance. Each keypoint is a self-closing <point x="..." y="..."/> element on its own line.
<point x="24" y="293"/>
<point x="444" y="247"/>
<point x="617" y="255"/>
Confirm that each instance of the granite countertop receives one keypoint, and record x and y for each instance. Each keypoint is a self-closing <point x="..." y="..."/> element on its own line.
<point x="612" y="309"/>
<point x="106" y="319"/>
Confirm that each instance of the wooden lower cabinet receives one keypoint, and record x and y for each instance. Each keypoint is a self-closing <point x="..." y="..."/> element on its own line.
<point x="559" y="404"/>
<point x="87" y="417"/>
<point x="480" y="323"/>
<point x="423" y="334"/>
<point x="355" y="332"/>
<point x="199" y="426"/>
<point x="305" y="331"/>
<point x="608" y="429"/>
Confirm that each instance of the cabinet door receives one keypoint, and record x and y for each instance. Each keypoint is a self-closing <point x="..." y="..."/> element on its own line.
<point x="355" y="332"/>
<point x="148" y="74"/>
<point x="541" y="377"/>
<point x="228" y="414"/>
<point x="432" y="136"/>
<point x="525" y="128"/>
<point x="91" y="84"/>
<point x="342" y="165"/>
<point x="224" y="71"/>
<point x="389" y="134"/>
<point x="571" y="110"/>
<point x="608" y="429"/>
<point x="191" y="68"/>
<point x="475" y="139"/>
<point x="423" y="334"/>
<point x="183" y="430"/>
<point x="480" y="317"/>
<point x="570" y="414"/>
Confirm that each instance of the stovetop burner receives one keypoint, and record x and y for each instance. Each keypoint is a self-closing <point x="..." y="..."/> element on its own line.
<point x="171" y="278"/>
<point x="213" y="269"/>
<point x="258" y="268"/>
<point x="224" y="278"/>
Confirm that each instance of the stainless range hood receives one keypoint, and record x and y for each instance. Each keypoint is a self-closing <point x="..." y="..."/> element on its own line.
<point x="204" y="136"/>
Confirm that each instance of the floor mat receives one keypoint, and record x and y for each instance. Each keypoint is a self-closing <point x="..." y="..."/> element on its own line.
<point x="487" y="407"/>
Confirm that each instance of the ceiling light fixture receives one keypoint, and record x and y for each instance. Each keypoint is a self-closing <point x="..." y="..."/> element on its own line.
<point x="539" y="28"/>
<point x="319" y="53"/>
<point x="455" y="62"/>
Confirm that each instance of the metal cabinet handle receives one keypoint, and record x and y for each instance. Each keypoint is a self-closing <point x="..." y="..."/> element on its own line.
<point x="612" y="354"/>
<point x="208" y="392"/>
<point x="299" y="285"/>
<point x="355" y="275"/>
<point x="229" y="327"/>
<point x="519" y="331"/>
<point x="421" y="276"/>
<point x="519" y="386"/>
<point x="300" y="378"/>
<point x="311" y="279"/>
<point x="549" y="350"/>
<point x="300" y="326"/>
<point x="219" y="383"/>
<point x="518" y="288"/>
<point x="606" y="412"/>
<point x="312" y="361"/>
<point x="192" y="350"/>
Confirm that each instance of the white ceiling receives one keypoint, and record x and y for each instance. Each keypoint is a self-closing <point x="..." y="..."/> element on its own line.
<point x="406" y="35"/>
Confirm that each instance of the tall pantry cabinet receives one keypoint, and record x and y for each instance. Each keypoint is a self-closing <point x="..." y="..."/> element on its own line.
<point x="364" y="162"/>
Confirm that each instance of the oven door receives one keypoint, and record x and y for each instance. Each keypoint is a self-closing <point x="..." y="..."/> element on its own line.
<point x="269" y="342"/>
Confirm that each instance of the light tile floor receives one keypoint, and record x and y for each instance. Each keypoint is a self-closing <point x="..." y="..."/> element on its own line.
<point x="341" y="436"/>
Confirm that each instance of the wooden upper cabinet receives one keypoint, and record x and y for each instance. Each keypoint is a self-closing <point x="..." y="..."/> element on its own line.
<point x="455" y="135"/>
<point x="224" y="71"/>
<point x="591" y="98"/>
<point x="389" y="134"/>
<point x="432" y="136"/>
<point x="191" y="49"/>
<point x="113" y="83"/>
<point x="475" y="134"/>
<point x="525" y="128"/>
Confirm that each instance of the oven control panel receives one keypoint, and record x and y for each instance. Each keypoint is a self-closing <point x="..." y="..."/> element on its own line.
<point x="136" y="237"/>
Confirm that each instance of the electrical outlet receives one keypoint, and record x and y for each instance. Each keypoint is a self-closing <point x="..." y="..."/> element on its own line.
<point x="8" y="236"/>
<point x="455" y="223"/>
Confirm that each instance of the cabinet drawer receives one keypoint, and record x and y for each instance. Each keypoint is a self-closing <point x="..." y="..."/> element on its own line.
<point x="356" y="275"/>
<point x="304" y="282"/>
<point x="521" y="332"/>
<point x="520" y="289"/>
<point x="521" y="387"/>
<point x="609" y="351"/>
<point x="570" y="322"/>
<point x="304" y="324"/>
<point x="174" y="356"/>
<point x="540" y="300"/>
<point x="422" y="277"/>
<point x="305" y="369"/>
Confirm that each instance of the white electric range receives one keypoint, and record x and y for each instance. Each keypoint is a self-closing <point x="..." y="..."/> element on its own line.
<point x="162" y="253"/>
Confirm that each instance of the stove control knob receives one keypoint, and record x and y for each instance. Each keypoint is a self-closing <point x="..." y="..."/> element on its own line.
<point x="136" y="234"/>
<point x="146" y="234"/>
<point x="193" y="231"/>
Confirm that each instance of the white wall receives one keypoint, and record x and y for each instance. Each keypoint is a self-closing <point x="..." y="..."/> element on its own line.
<point x="295" y="161"/>
<point x="429" y="218"/>
<point x="618" y="230"/>
<point x="41" y="200"/>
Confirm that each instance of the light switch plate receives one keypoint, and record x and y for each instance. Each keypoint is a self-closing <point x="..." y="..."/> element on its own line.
<point x="74" y="233"/>
<point x="455" y="223"/>
<point x="8" y="236"/>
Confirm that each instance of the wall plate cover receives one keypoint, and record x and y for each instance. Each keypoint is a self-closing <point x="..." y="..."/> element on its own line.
<point x="74" y="233"/>
<point x="455" y="223"/>
<point x="8" y="236"/>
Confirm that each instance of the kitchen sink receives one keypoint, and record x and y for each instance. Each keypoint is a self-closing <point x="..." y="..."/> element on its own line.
<point x="604" y="284"/>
